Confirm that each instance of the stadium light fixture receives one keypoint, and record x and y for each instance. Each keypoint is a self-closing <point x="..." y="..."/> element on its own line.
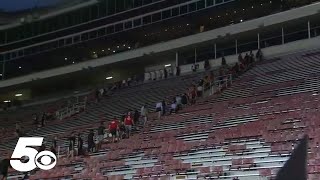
<point x="18" y="95"/>
<point x="108" y="78"/>
<point x="167" y="65"/>
<point x="6" y="101"/>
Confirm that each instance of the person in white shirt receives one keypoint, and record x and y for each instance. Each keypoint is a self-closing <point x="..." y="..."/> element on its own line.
<point x="101" y="91"/>
<point x="144" y="113"/>
<point x="159" y="109"/>
<point x="199" y="90"/>
<point x="173" y="107"/>
<point x="124" y="83"/>
<point x="178" y="100"/>
<point x="129" y="81"/>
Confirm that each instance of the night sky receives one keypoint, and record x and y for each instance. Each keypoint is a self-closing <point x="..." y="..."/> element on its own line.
<point x="18" y="5"/>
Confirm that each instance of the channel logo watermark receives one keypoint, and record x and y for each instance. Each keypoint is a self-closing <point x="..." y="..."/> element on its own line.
<point x="44" y="160"/>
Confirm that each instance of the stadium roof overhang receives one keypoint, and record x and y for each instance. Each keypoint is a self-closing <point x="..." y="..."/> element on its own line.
<point x="148" y="55"/>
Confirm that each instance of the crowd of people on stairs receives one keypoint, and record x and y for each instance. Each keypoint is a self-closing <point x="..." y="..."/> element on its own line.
<point x="120" y="128"/>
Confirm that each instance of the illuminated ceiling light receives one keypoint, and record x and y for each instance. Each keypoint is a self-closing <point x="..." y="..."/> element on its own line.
<point x="65" y="59"/>
<point x="108" y="78"/>
<point x="187" y="24"/>
<point x="124" y="45"/>
<point x="167" y="65"/>
<point x="94" y="52"/>
<point x="20" y="67"/>
<point x="102" y="50"/>
<point x="118" y="46"/>
<point x="241" y="20"/>
<point x="129" y="47"/>
<point x="0" y="74"/>
<point x="18" y="95"/>
<point x="6" y="101"/>
<point x="114" y="51"/>
<point x="72" y="62"/>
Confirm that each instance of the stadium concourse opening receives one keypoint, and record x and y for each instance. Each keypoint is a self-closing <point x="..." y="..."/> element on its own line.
<point x="161" y="89"/>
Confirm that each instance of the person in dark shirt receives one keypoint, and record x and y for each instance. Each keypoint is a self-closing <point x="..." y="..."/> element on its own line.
<point x="259" y="55"/>
<point x="80" y="145"/>
<point x="90" y="141"/>
<point x="4" y="166"/>
<point x="72" y="142"/>
<point x="246" y="60"/>
<point x="100" y="135"/>
<point x="122" y="131"/>
<point x="207" y="64"/>
<point x="178" y="71"/>
<point x="164" y="107"/>
<point x="136" y="116"/>
<point x="53" y="147"/>
<point x="223" y="61"/>
<point x="43" y="120"/>
<point x="184" y="99"/>
<point x="165" y="73"/>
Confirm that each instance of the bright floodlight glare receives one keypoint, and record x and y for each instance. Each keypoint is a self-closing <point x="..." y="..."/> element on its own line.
<point x="18" y="95"/>
<point x="110" y="77"/>
<point x="7" y="101"/>
<point x="167" y="65"/>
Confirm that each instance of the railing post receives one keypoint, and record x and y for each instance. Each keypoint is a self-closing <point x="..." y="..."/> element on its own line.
<point x="177" y="59"/>
<point x="58" y="152"/>
<point x="195" y="55"/>
<point x="282" y="35"/>
<point x="226" y="81"/>
<point x="236" y="46"/>
<point x="258" y="40"/>
<point x="309" y="30"/>
<point x="215" y="51"/>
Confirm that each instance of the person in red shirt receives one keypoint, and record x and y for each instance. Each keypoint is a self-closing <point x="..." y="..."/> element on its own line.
<point x="113" y="128"/>
<point x="128" y="122"/>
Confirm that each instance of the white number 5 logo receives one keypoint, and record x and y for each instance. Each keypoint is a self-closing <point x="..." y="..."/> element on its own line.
<point x="23" y="149"/>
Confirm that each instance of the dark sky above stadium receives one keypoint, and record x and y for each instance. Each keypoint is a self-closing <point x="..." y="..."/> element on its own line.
<point x="19" y="5"/>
